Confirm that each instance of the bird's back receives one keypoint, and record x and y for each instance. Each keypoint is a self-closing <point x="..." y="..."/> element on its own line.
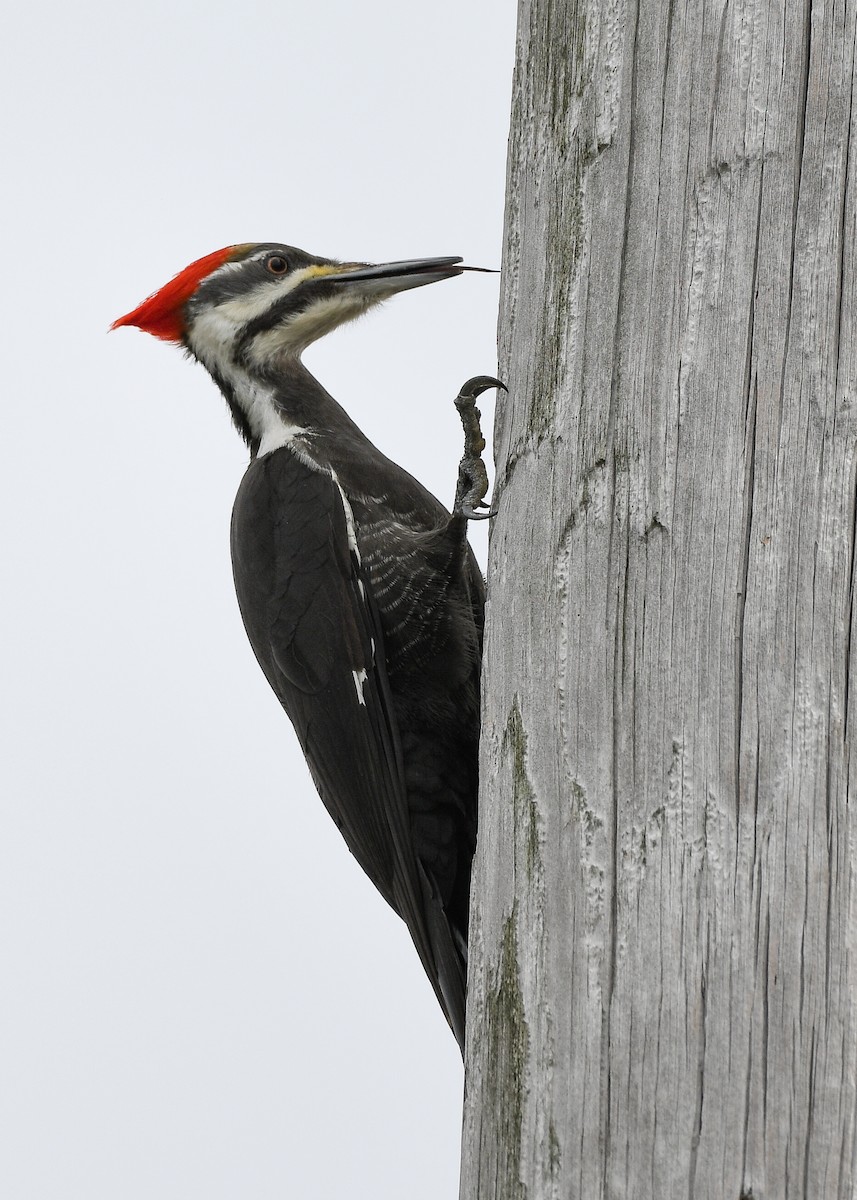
<point x="365" y="614"/>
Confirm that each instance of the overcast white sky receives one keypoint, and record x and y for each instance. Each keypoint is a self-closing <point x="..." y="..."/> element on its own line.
<point x="201" y="994"/>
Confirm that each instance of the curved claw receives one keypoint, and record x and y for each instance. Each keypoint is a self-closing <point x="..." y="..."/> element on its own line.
<point x="472" y="476"/>
<point x="477" y="385"/>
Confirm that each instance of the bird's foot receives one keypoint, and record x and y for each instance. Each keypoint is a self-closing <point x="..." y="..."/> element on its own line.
<point x="472" y="485"/>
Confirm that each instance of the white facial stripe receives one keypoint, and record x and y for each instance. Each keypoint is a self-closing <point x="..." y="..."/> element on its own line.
<point x="299" y="330"/>
<point x="215" y="332"/>
<point x="265" y="419"/>
<point x="211" y="339"/>
<point x="246" y="308"/>
<point x="276" y="432"/>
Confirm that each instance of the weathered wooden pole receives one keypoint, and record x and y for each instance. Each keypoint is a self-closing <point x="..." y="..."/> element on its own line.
<point x="663" y="987"/>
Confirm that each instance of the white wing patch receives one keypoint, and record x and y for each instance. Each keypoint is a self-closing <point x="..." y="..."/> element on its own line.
<point x="349" y="520"/>
<point x="360" y="678"/>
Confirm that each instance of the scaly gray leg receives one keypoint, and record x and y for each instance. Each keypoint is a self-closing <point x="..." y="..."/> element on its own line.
<point x="472" y="476"/>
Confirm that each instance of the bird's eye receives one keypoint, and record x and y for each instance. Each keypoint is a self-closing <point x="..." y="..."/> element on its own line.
<point x="276" y="264"/>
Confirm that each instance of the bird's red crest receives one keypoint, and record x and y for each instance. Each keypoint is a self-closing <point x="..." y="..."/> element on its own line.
<point x="161" y="314"/>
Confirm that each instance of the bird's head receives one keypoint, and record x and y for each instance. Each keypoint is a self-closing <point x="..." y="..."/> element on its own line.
<point x="253" y="306"/>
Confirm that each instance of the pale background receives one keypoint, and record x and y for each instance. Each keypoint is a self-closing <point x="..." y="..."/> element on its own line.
<point x="201" y="994"/>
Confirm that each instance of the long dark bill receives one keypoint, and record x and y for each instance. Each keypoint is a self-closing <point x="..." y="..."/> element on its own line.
<point x="428" y="268"/>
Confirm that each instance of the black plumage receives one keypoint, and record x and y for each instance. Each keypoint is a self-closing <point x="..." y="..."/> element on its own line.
<point x="394" y="754"/>
<point x="360" y="595"/>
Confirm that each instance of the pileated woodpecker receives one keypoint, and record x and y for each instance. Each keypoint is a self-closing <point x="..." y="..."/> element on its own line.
<point x="360" y="595"/>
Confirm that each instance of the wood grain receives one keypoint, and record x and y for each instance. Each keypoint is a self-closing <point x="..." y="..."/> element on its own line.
<point x="663" y="981"/>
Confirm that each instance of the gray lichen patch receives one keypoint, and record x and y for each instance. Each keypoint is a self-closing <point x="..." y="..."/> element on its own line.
<point x="546" y="204"/>
<point x="508" y="1040"/>
<point x="590" y="821"/>
<point x="559" y="73"/>
<point x="654" y="526"/>
<point x="527" y="819"/>
<point x="566" y="220"/>
<point x="554" y="1151"/>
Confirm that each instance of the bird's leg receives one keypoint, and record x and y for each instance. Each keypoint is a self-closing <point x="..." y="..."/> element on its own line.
<point x="472" y="475"/>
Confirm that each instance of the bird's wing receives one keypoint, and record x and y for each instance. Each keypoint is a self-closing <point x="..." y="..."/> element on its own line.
<point x="310" y="617"/>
